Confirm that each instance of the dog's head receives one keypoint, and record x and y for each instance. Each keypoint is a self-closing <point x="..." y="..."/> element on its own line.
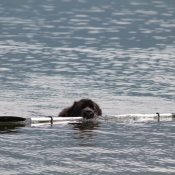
<point x="85" y="108"/>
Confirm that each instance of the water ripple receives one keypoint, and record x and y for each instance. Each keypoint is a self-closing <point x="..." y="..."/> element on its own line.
<point x="120" y="54"/>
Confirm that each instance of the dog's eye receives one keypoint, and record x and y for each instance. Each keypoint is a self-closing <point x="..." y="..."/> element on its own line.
<point x="92" y="107"/>
<point x="82" y="106"/>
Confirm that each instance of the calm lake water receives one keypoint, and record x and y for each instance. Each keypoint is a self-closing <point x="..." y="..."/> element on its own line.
<point x="119" y="53"/>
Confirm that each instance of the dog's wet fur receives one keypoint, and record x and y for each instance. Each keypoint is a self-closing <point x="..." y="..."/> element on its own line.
<point x="85" y="108"/>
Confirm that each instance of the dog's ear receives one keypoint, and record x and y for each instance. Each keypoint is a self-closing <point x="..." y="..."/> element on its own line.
<point x="76" y="109"/>
<point x="99" y="111"/>
<point x="71" y="110"/>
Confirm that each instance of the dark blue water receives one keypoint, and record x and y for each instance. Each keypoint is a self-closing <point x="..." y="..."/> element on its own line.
<point x="121" y="54"/>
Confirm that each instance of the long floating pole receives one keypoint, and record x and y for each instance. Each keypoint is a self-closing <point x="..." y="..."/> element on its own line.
<point x="50" y="119"/>
<point x="157" y="116"/>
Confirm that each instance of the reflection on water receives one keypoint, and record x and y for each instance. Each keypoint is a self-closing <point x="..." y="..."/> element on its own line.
<point x="129" y="148"/>
<point x="84" y="132"/>
<point x="119" y="53"/>
<point x="86" y="125"/>
<point x="9" y="127"/>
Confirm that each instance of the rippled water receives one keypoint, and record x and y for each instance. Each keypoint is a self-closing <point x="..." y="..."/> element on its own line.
<point x="119" y="53"/>
<point x="93" y="148"/>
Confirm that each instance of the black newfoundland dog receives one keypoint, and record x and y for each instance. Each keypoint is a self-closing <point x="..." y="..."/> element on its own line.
<point x="85" y="108"/>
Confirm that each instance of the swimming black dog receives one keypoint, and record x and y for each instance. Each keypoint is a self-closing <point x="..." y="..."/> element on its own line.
<point x="83" y="108"/>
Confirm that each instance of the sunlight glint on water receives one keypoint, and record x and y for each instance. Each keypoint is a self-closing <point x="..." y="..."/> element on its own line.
<point x="118" y="53"/>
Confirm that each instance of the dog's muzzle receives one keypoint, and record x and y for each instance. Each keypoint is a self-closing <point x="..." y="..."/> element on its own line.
<point x="88" y="113"/>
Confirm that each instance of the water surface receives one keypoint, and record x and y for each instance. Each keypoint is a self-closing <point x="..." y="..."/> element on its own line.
<point x="118" y="53"/>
